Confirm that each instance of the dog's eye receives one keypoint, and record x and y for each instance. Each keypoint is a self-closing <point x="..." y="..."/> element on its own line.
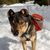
<point x="21" y="21"/>
<point x="16" y="19"/>
<point x="27" y="15"/>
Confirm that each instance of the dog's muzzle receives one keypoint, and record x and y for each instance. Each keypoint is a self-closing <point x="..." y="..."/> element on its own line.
<point x="15" y="34"/>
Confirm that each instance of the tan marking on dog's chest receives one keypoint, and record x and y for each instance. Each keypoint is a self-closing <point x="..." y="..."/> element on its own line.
<point x="22" y="28"/>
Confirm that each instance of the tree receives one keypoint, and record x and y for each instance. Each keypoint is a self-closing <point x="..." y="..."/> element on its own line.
<point x="12" y="1"/>
<point x="41" y="2"/>
<point x="1" y="2"/>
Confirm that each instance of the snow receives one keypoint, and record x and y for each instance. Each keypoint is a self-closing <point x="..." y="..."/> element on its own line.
<point x="29" y="2"/>
<point x="17" y="4"/>
<point x="9" y="42"/>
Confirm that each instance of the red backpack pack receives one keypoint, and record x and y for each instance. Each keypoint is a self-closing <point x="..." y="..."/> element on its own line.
<point x="38" y="21"/>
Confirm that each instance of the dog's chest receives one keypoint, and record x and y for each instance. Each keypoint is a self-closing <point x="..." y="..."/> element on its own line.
<point x="28" y="34"/>
<point x="24" y="26"/>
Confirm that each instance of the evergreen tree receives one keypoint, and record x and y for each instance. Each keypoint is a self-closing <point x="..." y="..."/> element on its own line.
<point x="41" y="2"/>
<point x="1" y="2"/>
<point x="12" y="1"/>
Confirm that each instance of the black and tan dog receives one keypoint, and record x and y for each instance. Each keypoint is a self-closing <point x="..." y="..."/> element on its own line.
<point x="21" y="25"/>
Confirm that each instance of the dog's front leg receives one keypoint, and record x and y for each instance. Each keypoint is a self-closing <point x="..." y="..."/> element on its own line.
<point x="33" y="38"/>
<point x="23" y="43"/>
<point x="33" y="42"/>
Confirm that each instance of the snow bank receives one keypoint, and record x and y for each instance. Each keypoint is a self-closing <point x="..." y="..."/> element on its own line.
<point x="9" y="42"/>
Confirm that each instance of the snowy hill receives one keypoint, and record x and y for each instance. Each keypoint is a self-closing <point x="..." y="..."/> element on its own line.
<point x="9" y="42"/>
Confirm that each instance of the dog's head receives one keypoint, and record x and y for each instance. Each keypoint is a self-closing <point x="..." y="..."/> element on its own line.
<point x="17" y="20"/>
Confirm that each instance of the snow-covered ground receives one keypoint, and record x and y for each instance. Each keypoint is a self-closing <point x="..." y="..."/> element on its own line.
<point x="9" y="42"/>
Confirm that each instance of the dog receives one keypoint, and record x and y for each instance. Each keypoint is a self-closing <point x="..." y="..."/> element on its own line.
<point x="22" y="26"/>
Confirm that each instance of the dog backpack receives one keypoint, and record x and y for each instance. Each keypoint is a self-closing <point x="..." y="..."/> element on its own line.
<point x="38" y="21"/>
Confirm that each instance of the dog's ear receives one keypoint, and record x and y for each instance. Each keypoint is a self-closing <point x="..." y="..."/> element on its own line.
<point x="24" y="11"/>
<point x="11" y="12"/>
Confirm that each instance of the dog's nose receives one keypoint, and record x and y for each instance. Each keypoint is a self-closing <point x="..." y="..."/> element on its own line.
<point x="15" y="34"/>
